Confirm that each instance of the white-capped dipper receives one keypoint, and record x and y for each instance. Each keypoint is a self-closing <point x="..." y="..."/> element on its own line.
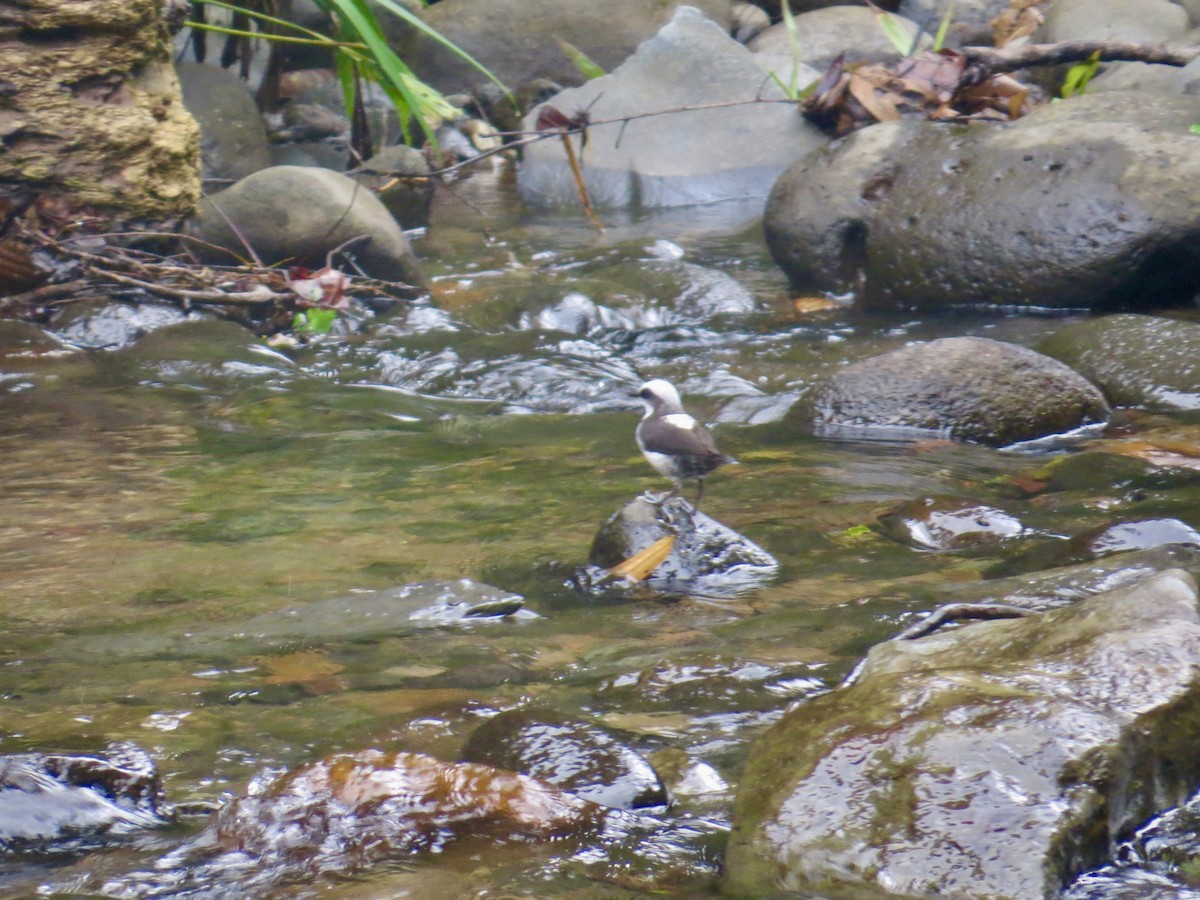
<point x="674" y="443"/>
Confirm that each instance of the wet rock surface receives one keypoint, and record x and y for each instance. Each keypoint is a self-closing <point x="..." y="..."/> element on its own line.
<point x="1086" y="203"/>
<point x="1141" y="361"/>
<point x="707" y="557"/>
<point x="68" y="801"/>
<point x="699" y="156"/>
<point x="286" y="213"/>
<point x="968" y="389"/>
<point x="107" y="326"/>
<point x="581" y="757"/>
<point x="352" y="809"/>
<point x="998" y="760"/>
<point x="1101" y="542"/>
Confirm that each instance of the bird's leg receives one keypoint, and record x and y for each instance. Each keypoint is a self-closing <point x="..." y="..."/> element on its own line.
<point x="699" y="494"/>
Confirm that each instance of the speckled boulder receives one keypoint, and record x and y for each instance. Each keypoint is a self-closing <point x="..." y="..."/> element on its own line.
<point x="992" y="761"/>
<point x="966" y="388"/>
<point x="1136" y="360"/>
<point x="1088" y="203"/>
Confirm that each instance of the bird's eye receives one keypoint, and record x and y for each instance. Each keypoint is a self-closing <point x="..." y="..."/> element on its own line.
<point x="644" y="394"/>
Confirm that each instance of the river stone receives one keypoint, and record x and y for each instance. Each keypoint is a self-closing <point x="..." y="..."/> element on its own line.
<point x="301" y="214"/>
<point x="581" y="757"/>
<point x="233" y="139"/>
<point x="964" y="388"/>
<point x="49" y="798"/>
<point x="824" y="34"/>
<point x="352" y="809"/>
<point x="410" y="194"/>
<point x="1140" y="21"/>
<point x="695" y="157"/>
<point x="992" y="761"/>
<point x="949" y="523"/>
<point x="1085" y="203"/>
<point x="704" y="548"/>
<point x="1098" y="543"/>
<point x="971" y="23"/>
<point x="1141" y="361"/>
<point x="518" y="40"/>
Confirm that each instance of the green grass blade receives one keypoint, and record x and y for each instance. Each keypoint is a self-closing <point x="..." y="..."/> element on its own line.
<point x="939" y="40"/>
<point x="580" y="60"/>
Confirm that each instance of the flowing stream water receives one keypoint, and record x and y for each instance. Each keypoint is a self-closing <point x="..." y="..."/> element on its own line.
<point x="198" y="480"/>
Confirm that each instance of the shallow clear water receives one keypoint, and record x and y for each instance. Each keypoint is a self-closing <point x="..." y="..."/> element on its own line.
<point x="154" y="491"/>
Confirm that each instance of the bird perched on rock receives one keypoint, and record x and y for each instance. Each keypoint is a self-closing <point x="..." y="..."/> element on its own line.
<point x="673" y="442"/>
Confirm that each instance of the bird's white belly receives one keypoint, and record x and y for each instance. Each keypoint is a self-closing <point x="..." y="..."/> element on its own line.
<point x="662" y="463"/>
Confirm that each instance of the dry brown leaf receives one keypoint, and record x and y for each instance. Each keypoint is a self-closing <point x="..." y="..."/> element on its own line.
<point x="641" y="564"/>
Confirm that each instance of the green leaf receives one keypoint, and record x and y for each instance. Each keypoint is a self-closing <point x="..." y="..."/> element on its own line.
<point x="789" y="25"/>
<point x="415" y="21"/>
<point x="939" y="39"/>
<point x="314" y="321"/>
<point x="580" y="60"/>
<point x="1079" y="75"/>
<point x="1195" y="129"/>
<point x="890" y="25"/>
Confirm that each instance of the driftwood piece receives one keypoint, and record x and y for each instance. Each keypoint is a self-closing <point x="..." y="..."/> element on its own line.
<point x="983" y="62"/>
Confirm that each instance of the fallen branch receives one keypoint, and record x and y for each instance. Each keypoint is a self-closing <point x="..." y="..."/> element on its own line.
<point x="983" y="62"/>
<point x="260" y="294"/>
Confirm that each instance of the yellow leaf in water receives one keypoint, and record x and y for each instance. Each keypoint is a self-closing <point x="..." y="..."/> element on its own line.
<point x="642" y="564"/>
<point x="814" y="304"/>
<point x="307" y="665"/>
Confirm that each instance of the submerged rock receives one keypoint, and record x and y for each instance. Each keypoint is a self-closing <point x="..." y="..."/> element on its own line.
<point x="694" y="157"/>
<point x="1087" y="203"/>
<point x="707" y="557"/>
<point x="1142" y="361"/>
<point x="302" y="214"/>
<point x="49" y="799"/>
<point x="966" y="388"/>
<point x="581" y="757"/>
<point x="104" y="325"/>
<point x="949" y="523"/>
<point x="992" y="761"/>
<point x="353" y="809"/>
<point x="422" y="604"/>
<point x="1099" y="543"/>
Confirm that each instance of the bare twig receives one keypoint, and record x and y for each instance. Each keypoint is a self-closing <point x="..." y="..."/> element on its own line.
<point x="984" y="62"/>
<point x="262" y="294"/>
<point x="43" y="294"/>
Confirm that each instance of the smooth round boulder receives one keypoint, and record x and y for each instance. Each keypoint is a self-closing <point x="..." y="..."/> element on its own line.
<point x="965" y="388"/>
<point x="1088" y="203"/>
<point x="824" y="34"/>
<point x="299" y="215"/>
<point x="1139" y="361"/>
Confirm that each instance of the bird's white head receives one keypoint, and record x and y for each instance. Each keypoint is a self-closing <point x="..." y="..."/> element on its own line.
<point x="659" y="394"/>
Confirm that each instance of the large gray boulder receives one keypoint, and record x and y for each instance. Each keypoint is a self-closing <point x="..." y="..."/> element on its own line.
<point x="301" y="214"/>
<point x="993" y="761"/>
<point x="518" y="40"/>
<point x="1084" y="203"/>
<point x="1143" y="21"/>
<point x="965" y="388"/>
<point x="686" y="158"/>
<point x="233" y="139"/>
<point x="1141" y="361"/>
